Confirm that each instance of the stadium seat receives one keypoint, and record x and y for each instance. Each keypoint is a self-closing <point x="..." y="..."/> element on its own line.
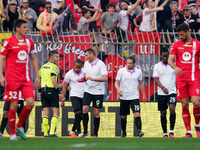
<point x="77" y="17"/>
<point x="113" y="1"/>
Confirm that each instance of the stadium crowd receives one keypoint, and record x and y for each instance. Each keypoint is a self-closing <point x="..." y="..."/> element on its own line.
<point x="124" y="15"/>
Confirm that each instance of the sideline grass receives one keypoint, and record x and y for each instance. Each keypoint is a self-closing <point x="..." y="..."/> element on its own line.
<point x="100" y="144"/>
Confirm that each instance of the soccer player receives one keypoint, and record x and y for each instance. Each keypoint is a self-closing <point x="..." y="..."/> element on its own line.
<point x="6" y="110"/>
<point x="49" y="92"/>
<point x="95" y="74"/>
<point x="164" y="77"/>
<point x="127" y="81"/>
<point x="16" y="51"/>
<point x="76" y="94"/>
<point x="187" y="51"/>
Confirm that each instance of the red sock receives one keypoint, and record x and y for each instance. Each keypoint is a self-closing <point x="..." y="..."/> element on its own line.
<point x="12" y="118"/>
<point x="186" y="117"/>
<point x="23" y="116"/>
<point x="196" y="112"/>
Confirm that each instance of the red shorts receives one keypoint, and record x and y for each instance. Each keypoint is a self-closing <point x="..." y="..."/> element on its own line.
<point x="187" y="89"/>
<point x="13" y="87"/>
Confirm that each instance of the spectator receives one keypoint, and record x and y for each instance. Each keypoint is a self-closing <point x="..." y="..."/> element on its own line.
<point x="2" y="14"/>
<point x="109" y="22"/>
<point x="46" y="18"/>
<point x="102" y="55"/>
<point x="28" y="14"/>
<point x="149" y="22"/>
<point x="190" y="19"/>
<point x="124" y="14"/>
<point x="76" y="4"/>
<point x="68" y="18"/>
<point x="86" y="4"/>
<point x="194" y="9"/>
<point x="170" y="18"/>
<point x="12" y="12"/>
<point x="83" y="24"/>
<point x="36" y="4"/>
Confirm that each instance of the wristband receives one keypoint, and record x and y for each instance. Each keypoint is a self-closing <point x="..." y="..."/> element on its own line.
<point x="162" y="87"/>
<point x="39" y="90"/>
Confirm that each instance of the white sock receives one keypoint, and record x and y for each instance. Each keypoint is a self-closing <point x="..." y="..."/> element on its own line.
<point x="190" y="132"/>
<point x="171" y="131"/>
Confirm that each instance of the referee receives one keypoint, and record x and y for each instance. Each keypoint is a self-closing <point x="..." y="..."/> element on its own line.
<point x="50" y="92"/>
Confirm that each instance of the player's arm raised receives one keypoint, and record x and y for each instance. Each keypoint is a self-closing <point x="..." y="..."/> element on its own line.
<point x="2" y="78"/>
<point x="141" y="85"/>
<point x="34" y="62"/>
<point x="171" y="63"/>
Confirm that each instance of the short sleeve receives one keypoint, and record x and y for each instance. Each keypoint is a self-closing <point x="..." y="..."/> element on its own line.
<point x="103" y="16"/>
<point x="67" y="77"/>
<point x="140" y="78"/>
<point x="32" y="49"/>
<point x="173" y="50"/>
<point x="119" y="76"/>
<point x="54" y="70"/>
<point x="5" y="48"/>
<point x="155" y="72"/>
<point x="103" y="70"/>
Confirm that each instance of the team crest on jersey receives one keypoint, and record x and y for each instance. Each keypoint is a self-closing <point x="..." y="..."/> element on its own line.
<point x="22" y="55"/>
<point x="186" y="56"/>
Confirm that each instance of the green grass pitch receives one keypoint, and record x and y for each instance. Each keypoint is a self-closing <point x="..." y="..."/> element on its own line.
<point x="100" y="144"/>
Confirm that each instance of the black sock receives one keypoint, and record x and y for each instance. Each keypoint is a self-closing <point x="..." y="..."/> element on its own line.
<point x="123" y="124"/>
<point x="138" y="123"/>
<point x="77" y="122"/>
<point x="74" y="126"/>
<point x="3" y="124"/>
<point x="96" y="125"/>
<point x="85" y="122"/>
<point x="172" y="121"/>
<point x="163" y="120"/>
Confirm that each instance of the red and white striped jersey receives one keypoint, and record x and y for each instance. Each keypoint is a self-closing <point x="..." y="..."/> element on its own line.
<point x="187" y="58"/>
<point x="17" y="58"/>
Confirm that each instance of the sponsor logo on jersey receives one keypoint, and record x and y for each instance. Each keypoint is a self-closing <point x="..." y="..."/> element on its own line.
<point x="186" y="56"/>
<point x="22" y="55"/>
<point x="20" y="43"/>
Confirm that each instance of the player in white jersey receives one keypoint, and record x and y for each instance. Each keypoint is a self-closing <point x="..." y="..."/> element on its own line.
<point x="95" y="74"/>
<point x="76" y="94"/>
<point x="5" y="113"/>
<point x="164" y="77"/>
<point x="126" y="83"/>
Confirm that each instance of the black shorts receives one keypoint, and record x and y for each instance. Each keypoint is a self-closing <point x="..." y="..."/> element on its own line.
<point x="126" y="104"/>
<point x="96" y="99"/>
<point x="19" y="109"/>
<point x="165" y="100"/>
<point x="77" y="103"/>
<point x="50" y="98"/>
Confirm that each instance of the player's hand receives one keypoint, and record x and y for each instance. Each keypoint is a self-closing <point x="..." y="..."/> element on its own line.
<point x="39" y="95"/>
<point x="62" y="104"/>
<point x="89" y="78"/>
<point x="179" y="71"/>
<point x="37" y="82"/>
<point x="144" y="99"/>
<point x="120" y="92"/>
<point x="3" y="81"/>
<point x="165" y="90"/>
<point x="100" y="11"/>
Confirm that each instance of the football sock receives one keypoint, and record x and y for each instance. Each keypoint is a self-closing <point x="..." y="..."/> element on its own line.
<point x="11" y="119"/>
<point x="85" y="122"/>
<point x="163" y="120"/>
<point x="172" y="119"/>
<point x="3" y="124"/>
<point x="45" y="125"/>
<point x="123" y="124"/>
<point x="74" y="126"/>
<point x="186" y="117"/>
<point x="96" y="125"/>
<point x="23" y="116"/>
<point x="54" y="121"/>
<point x="77" y="122"/>
<point x="138" y="123"/>
<point x="196" y="112"/>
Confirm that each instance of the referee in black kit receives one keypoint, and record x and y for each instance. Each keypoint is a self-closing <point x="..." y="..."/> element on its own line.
<point x="50" y="92"/>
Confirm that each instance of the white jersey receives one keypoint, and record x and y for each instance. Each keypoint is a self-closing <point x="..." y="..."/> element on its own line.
<point x="129" y="82"/>
<point x="166" y="77"/>
<point x="77" y="88"/>
<point x="95" y="69"/>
